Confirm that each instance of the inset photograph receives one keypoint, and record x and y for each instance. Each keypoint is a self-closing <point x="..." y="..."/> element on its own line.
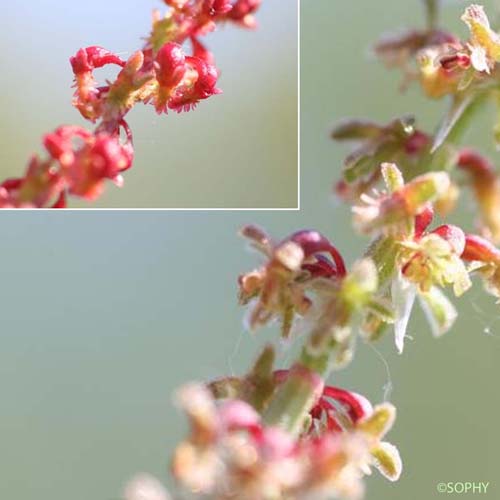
<point x="173" y="104"/>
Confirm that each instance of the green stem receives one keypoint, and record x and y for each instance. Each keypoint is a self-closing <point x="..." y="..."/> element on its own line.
<point x="295" y="398"/>
<point x="432" y="10"/>
<point x="328" y="341"/>
<point x="457" y="132"/>
<point x="440" y="158"/>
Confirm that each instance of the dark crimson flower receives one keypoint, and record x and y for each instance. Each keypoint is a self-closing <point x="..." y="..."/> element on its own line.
<point x="279" y="288"/>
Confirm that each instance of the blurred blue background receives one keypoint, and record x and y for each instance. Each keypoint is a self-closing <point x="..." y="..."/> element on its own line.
<point x="236" y="150"/>
<point x="105" y="314"/>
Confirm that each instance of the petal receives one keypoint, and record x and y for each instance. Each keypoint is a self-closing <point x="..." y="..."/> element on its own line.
<point x="388" y="460"/>
<point x="393" y="177"/>
<point x="440" y="312"/>
<point x="380" y="421"/>
<point x="403" y="297"/>
<point x="479" y="60"/>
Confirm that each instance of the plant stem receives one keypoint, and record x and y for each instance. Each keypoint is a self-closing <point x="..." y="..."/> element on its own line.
<point x="465" y="119"/>
<point x="432" y="10"/>
<point x="295" y="398"/>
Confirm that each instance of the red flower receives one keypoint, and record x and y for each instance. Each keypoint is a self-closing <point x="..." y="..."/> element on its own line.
<point x="480" y="250"/>
<point x="203" y="86"/>
<point x="85" y="167"/>
<point x="333" y="406"/>
<point x="90" y="58"/>
<point x="485" y="259"/>
<point x="87" y="98"/>
<point x="170" y="70"/>
<point x="242" y="12"/>
<point x="217" y="7"/>
<point x="171" y="66"/>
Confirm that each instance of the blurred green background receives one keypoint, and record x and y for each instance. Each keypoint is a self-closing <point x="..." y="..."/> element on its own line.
<point x="236" y="150"/>
<point x="105" y="314"/>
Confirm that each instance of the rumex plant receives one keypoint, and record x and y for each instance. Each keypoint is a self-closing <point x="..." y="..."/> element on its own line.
<point x="284" y="432"/>
<point x="173" y="72"/>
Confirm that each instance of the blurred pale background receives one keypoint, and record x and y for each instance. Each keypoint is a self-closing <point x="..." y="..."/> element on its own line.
<point x="105" y="314"/>
<point x="236" y="150"/>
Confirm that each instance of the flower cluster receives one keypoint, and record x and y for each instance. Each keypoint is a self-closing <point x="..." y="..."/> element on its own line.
<point x="279" y="288"/>
<point x="232" y="449"/>
<point x="164" y="73"/>
<point x="402" y="143"/>
<point x="78" y="162"/>
<point x="446" y="65"/>
<point x="411" y="260"/>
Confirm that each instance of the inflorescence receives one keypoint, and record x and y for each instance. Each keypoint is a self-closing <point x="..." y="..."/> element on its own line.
<point x="164" y="74"/>
<point x="283" y="433"/>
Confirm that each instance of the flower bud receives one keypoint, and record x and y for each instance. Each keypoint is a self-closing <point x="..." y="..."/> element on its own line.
<point x="217" y="7"/>
<point x="479" y="249"/>
<point x="422" y="189"/>
<point x="242" y="12"/>
<point x="171" y="66"/>
<point x="401" y="204"/>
